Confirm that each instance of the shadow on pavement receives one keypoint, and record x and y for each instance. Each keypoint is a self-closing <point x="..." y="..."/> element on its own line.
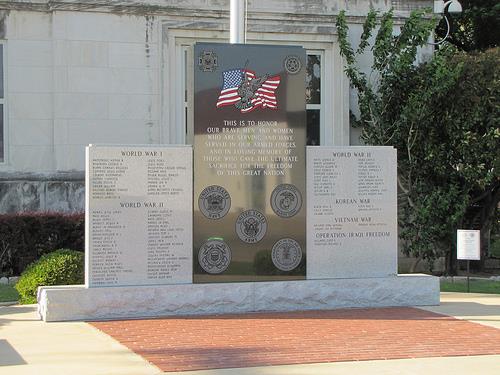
<point x="16" y="313"/>
<point x="9" y="356"/>
<point x="468" y="309"/>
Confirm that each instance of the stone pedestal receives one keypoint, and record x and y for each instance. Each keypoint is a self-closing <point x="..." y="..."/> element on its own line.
<point x="64" y="303"/>
<point x="139" y="241"/>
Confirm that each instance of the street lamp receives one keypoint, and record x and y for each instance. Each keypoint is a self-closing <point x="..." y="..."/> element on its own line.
<point x="453" y="6"/>
<point x="440" y="6"/>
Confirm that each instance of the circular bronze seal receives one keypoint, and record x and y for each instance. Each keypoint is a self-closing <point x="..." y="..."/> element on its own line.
<point x="214" y="202"/>
<point x="251" y="226"/>
<point x="286" y="254"/>
<point x="292" y="64"/>
<point x="286" y="200"/>
<point x="214" y="256"/>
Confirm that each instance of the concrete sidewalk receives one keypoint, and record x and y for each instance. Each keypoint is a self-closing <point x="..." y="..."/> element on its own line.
<point x="29" y="346"/>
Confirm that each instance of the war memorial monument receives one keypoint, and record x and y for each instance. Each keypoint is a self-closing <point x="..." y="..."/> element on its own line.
<point x="248" y="218"/>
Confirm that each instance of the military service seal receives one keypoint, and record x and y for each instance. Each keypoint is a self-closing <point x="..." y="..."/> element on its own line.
<point x="251" y="226"/>
<point x="286" y="254"/>
<point x="214" y="202"/>
<point x="214" y="256"/>
<point x="207" y="61"/>
<point x="286" y="200"/>
<point x="292" y="64"/>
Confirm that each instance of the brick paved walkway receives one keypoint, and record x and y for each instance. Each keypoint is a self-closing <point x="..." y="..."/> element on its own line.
<point x="228" y="341"/>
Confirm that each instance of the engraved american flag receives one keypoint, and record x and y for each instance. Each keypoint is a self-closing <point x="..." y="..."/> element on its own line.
<point x="264" y="97"/>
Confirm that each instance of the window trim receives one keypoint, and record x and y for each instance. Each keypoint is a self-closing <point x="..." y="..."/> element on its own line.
<point x="334" y="125"/>
<point x="321" y="106"/>
<point x="3" y="101"/>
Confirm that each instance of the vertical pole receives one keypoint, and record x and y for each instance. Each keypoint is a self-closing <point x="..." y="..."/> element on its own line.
<point x="468" y="272"/>
<point x="237" y="22"/>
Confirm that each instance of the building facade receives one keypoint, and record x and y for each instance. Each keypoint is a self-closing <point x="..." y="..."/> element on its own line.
<point x="78" y="72"/>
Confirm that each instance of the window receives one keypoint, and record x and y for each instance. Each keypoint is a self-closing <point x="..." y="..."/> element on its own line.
<point x="186" y="75"/>
<point x="313" y="97"/>
<point x="2" y="104"/>
<point x="327" y="89"/>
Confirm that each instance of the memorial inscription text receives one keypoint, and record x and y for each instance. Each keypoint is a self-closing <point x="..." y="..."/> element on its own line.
<point x="137" y="234"/>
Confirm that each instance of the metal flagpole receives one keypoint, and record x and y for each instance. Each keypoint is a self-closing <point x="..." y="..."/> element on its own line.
<point x="237" y="21"/>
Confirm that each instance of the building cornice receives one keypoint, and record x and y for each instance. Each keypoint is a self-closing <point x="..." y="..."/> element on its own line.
<point x="193" y="9"/>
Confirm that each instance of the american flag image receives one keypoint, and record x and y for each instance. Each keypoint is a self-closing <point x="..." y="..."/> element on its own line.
<point x="264" y="96"/>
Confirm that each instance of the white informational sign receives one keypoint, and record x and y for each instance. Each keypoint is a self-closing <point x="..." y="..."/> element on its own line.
<point x="138" y="224"/>
<point x="468" y="244"/>
<point x="351" y="212"/>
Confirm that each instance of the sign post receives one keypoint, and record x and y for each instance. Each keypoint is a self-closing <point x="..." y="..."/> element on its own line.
<point x="468" y="248"/>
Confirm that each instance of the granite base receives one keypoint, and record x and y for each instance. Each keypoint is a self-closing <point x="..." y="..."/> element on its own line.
<point x="66" y="303"/>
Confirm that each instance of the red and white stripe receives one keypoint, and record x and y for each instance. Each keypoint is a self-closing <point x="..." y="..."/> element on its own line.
<point x="230" y="96"/>
<point x="265" y="96"/>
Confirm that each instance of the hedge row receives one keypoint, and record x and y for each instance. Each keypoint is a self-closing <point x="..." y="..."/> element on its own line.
<point x="25" y="237"/>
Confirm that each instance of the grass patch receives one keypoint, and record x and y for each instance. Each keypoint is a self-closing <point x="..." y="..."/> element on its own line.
<point x="8" y="293"/>
<point x="476" y="286"/>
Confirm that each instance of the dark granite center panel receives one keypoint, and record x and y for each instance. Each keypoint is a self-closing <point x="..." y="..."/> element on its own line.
<point x="249" y="163"/>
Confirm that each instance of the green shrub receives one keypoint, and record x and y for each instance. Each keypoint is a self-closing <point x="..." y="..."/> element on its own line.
<point x="26" y="236"/>
<point x="61" y="267"/>
<point x="495" y="247"/>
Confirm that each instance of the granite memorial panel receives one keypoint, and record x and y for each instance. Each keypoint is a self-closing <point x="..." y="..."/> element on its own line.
<point x="138" y="225"/>
<point x="249" y="163"/>
<point x="352" y="212"/>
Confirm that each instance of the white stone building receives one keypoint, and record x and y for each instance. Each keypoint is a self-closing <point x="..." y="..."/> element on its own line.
<point x="76" y="72"/>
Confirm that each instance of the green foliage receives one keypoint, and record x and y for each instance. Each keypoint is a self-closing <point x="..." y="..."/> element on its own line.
<point x="495" y="246"/>
<point x="476" y="28"/>
<point x="393" y="55"/>
<point x="27" y="236"/>
<point x="369" y="25"/>
<point x="447" y="116"/>
<point x="443" y="117"/>
<point x="61" y="267"/>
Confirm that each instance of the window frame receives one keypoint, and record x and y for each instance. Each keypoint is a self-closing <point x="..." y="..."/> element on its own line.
<point x="3" y="102"/>
<point x="177" y="43"/>
<point x="321" y="106"/>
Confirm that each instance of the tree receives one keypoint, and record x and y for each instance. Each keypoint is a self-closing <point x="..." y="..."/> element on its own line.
<point x="476" y="28"/>
<point x="442" y="116"/>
